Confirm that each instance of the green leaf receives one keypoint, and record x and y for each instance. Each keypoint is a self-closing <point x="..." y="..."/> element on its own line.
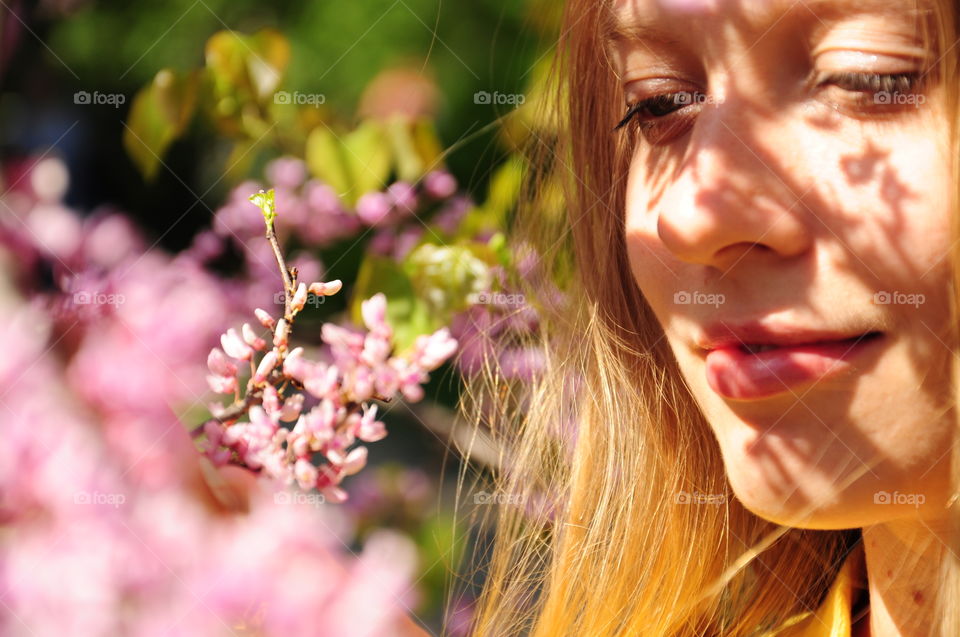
<point x="415" y="146"/>
<point x="409" y="315"/>
<point x="446" y="277"/>
<point x="427" y="143"/>
<point x="265" y="201"/>
<point x="159" y="114"/>
<point x="248" y="66"/>
<point x="244" y="73"/>
<point x="326" y="161"/>
<point x="352" y="164"/>
<point x="409" y="163"/>
<point x="502" y="196"/>
<point x="369" y="156"/>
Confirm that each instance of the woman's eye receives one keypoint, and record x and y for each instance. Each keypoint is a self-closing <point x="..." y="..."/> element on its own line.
<point x="890" y="89"/>
<point x="659" y="106"/>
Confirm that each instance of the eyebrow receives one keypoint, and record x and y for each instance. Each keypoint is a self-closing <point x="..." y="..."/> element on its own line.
<point x="616" y="30"/>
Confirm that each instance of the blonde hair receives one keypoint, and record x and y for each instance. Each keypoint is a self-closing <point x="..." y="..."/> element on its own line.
<point x="616" y="556"/>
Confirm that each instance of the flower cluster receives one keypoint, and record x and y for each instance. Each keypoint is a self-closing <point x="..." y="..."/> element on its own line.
<point x="108" y="525"/>
<point x="317" y="217"/>
<point x="281" y="380"/>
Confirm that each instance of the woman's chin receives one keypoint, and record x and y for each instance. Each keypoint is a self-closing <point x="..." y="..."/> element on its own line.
<point x="840" y="511"/>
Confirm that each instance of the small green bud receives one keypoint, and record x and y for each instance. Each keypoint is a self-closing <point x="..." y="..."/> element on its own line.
<point x="264" y="201"/>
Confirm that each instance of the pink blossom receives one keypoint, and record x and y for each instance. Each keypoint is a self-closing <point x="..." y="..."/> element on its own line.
<point x="280" y="335"/>
<point x="291" y="408"/>
<point x="295" y="366"/>
<point x="219" y="364"/>
<point x="320" y="379"/>
<point x="439" y="184"/>
<point x="250" y="338"/>
<point x="287" y="172"/>
<point x="402" y="196"/>
<point x="431" y="351"/>
<point x="299" y="298"/>
<point x="265" y="319"/>
<point x="222" y="384"/>
<point x="267" y="363"/>
<point x="374" y="312"/>
<point x="234" y="346"/>
<point x="373" y="208"/>
<point x="306" y="474"/>
<point x="328" y="288"/>
<point x="370" y="429"/>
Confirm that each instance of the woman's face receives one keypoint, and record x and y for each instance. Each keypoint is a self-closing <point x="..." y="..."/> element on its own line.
<point x="791" y="190"/>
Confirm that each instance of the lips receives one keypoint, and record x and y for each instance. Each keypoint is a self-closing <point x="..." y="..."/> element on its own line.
<point x="765" y="363"/>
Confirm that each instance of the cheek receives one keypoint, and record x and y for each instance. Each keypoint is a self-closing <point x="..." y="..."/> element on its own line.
<point x="877" y="206"/>
<point x="886" y="207"/>
<point x="655" y="269"/>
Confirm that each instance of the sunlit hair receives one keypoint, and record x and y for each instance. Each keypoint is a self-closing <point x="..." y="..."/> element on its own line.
<point x="619" y="556"/>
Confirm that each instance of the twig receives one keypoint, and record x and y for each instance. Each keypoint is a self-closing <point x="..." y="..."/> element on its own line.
<point x="231" y="413"/>
<point x="288" y="282"/>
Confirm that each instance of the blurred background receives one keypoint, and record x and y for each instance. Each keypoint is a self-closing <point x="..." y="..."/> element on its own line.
<point x="131" y="135"/>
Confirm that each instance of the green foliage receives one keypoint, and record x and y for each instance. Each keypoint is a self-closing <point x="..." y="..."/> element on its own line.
<point x="352" y="163"/>
<point x="265" y="201"/>
<point x="159" y="114"/>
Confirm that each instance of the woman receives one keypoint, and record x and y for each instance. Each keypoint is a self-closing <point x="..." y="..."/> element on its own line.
<point x="763" y="328"/>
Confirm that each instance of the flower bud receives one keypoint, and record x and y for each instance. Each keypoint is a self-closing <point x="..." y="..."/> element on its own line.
<point x="267" y="363"/>
<point x="265" y="319"/>
<point x="299" y="298"/>
<point x="326" y="289"/>
<point x="234" y="346"/>
<point x="281" y="334"/>
<point x="219" y="364"/>
<point x="251" y="338"/>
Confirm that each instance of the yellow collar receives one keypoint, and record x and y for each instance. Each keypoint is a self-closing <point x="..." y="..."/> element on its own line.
<point x="833" y="617"/>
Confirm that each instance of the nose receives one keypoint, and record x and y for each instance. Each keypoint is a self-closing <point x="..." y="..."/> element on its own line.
<point x="734" y="198"/>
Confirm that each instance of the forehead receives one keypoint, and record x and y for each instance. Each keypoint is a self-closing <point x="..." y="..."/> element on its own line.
<point x="637" y="19"/>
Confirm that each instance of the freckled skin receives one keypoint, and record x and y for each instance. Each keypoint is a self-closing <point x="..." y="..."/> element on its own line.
<point x="799" y="207"/>
<point x="801" y="197"/>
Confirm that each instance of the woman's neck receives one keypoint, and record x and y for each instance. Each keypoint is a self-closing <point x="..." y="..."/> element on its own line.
<point x="903" y="564"/>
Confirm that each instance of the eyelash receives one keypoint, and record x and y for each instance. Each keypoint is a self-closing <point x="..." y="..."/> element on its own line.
<point x="848" y="81"/>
